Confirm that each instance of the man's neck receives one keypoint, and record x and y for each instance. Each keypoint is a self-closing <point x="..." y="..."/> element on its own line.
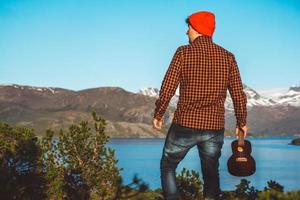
<point x="202" y="38"/>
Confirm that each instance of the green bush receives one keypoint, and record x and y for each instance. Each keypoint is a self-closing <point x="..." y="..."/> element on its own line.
<point x="189" y="184"/>
<point x="21" y="175"/>
<point x="79" y="166"/>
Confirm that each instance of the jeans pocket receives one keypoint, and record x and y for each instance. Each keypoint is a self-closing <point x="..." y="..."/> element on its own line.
<point x="182" y="136"/>
<point x="216" y="136"/>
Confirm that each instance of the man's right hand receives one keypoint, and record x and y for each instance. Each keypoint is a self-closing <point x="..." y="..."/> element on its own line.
<point x="245" y="129"/>
<point x="157" y="124"/>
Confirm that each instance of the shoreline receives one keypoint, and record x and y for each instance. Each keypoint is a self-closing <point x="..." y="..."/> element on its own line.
<point x="226" y="137"/>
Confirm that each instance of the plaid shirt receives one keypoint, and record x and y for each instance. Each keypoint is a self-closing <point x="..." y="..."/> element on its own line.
<point x="204" y="71"/>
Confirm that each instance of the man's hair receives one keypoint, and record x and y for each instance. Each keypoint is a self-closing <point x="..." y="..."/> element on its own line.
<point x="187" y="21"/>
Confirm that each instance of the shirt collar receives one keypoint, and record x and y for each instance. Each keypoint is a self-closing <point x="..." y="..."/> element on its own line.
<point x="203" y="38"/>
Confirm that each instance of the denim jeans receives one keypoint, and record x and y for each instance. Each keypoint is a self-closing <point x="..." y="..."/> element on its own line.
<point x="178" y="142"/>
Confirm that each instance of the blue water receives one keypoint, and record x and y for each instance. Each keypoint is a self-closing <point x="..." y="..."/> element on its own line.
<point x="275" y="160"/>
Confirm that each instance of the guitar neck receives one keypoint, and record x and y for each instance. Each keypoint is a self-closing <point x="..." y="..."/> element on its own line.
<point x="240" y="136"/>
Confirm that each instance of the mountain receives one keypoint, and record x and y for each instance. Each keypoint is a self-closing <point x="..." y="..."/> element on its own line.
<point x="129" y="114"/>
<point x="154" y="92"/>
<point x="291" y="97"/>
<point x="253" y="98"/>
<point x="278" y="115"/>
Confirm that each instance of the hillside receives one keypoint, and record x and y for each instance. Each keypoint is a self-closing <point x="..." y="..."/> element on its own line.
<point x="129" y="114"/>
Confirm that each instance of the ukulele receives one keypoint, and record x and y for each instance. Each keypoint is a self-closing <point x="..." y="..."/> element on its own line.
<point x="241" y="163"/>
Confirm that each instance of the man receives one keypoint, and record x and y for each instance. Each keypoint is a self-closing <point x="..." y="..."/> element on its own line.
<point x="204" y="71"/>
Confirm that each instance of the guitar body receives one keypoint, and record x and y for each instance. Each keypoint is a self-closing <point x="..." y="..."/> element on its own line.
<point x="241" y="163"/>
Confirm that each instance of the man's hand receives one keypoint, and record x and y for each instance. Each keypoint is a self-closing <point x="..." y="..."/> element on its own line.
<point x="245" y="129"/>
<point x="157" y="124"/>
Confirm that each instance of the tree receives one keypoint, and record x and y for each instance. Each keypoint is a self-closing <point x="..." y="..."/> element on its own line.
<point x="189" y="184"/>
<point x="21" y="174"/>
<point x="78" y="165"/>
<point x="244" y="191"/>
<point x="274" y="185"/>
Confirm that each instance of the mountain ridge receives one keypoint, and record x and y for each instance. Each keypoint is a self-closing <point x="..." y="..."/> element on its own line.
<point x="291" y="97"/>
<point x="129" y="114"/>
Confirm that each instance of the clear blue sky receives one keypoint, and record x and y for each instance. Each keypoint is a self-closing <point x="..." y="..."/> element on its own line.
<point x="82" y="44"/>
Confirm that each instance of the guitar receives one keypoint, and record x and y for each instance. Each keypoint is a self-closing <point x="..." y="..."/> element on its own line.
<point x="241" y="163"/>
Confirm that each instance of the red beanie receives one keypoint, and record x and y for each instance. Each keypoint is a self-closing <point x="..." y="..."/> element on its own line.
<point x="203" y="22"/>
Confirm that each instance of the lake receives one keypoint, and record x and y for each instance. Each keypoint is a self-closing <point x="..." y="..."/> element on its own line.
<point x="275" y="160"/>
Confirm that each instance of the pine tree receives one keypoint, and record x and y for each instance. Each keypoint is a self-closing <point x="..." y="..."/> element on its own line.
<point x="78" y="165"/>
<point x="21" y="174"/>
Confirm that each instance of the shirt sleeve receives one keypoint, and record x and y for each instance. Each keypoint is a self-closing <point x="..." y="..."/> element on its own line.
<point x="169" y="84"/>
<point x="237" y="94"/>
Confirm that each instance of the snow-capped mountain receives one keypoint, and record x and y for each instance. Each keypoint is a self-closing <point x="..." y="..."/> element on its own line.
<point x="290" y="97"/>
<point x="154" y="92"/>
<point x="256" y="99"/>
<point x="41" y="107"/>
<point x="38" y="89"/>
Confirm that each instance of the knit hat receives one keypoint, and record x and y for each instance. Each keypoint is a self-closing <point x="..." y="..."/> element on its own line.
<point x="203" y="22"/>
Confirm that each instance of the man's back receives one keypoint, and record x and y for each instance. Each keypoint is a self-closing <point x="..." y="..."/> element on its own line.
<point x="204" y="71"/>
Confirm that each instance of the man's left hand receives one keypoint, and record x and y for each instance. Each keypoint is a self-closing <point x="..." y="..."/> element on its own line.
<point x="157" y="124"/>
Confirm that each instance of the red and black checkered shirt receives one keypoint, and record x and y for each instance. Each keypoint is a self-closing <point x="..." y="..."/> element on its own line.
<point x="204" y="72"/>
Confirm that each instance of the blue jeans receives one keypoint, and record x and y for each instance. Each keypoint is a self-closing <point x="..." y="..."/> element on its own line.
<point x="178" y="142"/>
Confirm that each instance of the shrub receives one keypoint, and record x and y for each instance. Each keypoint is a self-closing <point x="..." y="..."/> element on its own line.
<point x="20" y="164"/>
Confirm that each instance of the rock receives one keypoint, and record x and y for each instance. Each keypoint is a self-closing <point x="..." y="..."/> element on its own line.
<point x="295" y="141"/>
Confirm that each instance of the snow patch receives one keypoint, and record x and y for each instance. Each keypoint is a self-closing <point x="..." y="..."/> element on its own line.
<point x="39" y="89"/>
